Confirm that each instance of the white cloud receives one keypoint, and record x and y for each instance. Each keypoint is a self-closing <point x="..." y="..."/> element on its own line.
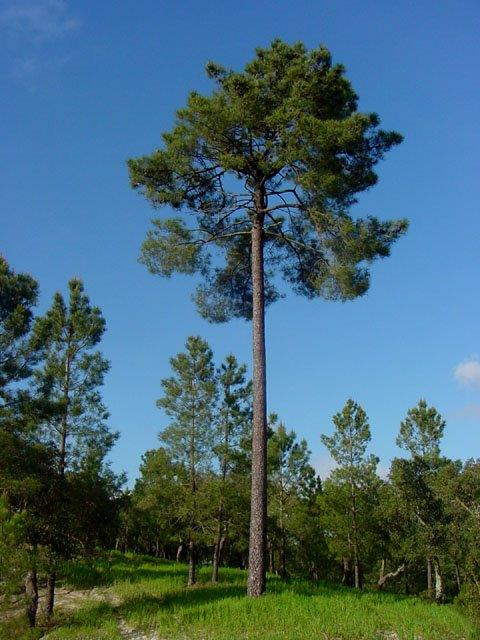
<point x="39" y="20"/>
<point x="468" y="372"/>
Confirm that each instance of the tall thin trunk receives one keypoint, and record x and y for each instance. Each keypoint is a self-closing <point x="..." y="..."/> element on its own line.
<point x="258" y="511"/>
<point x="458" y="576"/>
<point x="221" y="535"/>
<point x="216" y="555"/>
<point x="429" y="578"/>
<point x="438" y="580"/>
<point x="50" y="597"/>
<point x="347" y="574"/>
<point x="356" y="560"/>
<point x="179" y="552"/>
<point x="271" y="558"/>
<point x="382" y="573"/>
<point x="191" y="564"/>
<point x="283" y="552"/>
<point x="31" y="592"/>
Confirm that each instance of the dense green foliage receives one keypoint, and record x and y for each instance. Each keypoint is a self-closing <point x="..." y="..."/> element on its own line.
<point x="285" y="130"/>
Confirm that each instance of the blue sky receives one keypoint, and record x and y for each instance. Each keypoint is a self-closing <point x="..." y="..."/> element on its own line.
<point x="86" y="85"/>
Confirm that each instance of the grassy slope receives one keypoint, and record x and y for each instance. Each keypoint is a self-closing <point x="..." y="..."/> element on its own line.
<point x="149" y="594"/>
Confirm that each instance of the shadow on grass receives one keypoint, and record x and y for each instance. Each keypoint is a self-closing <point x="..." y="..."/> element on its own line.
<point x="146" y="606"/>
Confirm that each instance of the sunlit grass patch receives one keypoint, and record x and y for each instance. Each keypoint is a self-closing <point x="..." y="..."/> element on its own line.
<point x="142" y="593"/>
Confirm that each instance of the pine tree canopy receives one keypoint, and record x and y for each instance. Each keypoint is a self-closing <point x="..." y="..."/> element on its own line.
<point x="281" y="140"/>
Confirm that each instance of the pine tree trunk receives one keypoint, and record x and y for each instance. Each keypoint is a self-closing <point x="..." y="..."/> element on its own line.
<point x="457" y="576"/>
<point x="258" y="511"/>
<point x="438" y="580"/>
<point x="31" y="592"/>
<point x="429" y="578"/>
<point x="217" y="556"/>
<point x="271" y="558"/>
<point x="283" y="555"/>
<point x="356" y="570"/>
<point x="347" y="574"/>
<point x="381" y="580"/>
<point x="191" y="564"/>
<point x="50" y="597"/>
<point x="179" y="552"/>
<point x="216" y="560"/>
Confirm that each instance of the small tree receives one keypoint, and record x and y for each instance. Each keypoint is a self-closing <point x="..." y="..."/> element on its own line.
<point x="233" y="424"/>
<point x="349" y="488"/>
<point x="290" y="478"/>
<point x="69" y="380"/>
<point x="268" y="165"/>
<point x="420" y="434"/>
<point x="188" y="400"/>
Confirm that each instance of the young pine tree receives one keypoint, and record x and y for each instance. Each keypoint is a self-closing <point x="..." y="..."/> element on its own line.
<point x="290" y="478"/>
<point x="268" y="165"/>
<point x="233" y="425"/>
<point x="349" y="492"/>
<point x="420" y="434"/>
<point x="69" y="379"/>
<point x="189" y="396"/>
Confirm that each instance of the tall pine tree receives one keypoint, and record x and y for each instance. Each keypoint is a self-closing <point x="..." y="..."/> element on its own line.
<point x="269" y="165"/>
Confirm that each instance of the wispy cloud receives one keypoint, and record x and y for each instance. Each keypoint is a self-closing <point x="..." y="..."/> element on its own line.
<point x="35" y="33"/>
<point x="39" y="20"/>
<point x="468" y="372"/>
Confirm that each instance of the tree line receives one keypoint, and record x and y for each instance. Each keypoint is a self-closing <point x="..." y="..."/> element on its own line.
<point x="415" y="531"/>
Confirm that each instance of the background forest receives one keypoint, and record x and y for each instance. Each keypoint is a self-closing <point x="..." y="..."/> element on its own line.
<point x="415" y="531"/>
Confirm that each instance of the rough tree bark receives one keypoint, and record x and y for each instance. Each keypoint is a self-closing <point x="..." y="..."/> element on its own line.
<point x="50" y="596"/>
<point x="31" y="592"/>
<point x="257" y="549"/>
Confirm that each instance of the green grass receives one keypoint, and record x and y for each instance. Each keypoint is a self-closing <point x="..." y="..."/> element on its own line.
<point x="150" y="595"/>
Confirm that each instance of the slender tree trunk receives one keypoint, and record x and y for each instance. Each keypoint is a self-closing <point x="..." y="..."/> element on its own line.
<point x="31" y="592"/>
<point x="179" y="552"/>
<point x="457" y="576"/>
<point x="271" y="558"/>
<point x="191" y="564"/>
<point x="382" y="573"/>
<point x="258" y="511"/>
<point x="438" y="580"/>
<point x="50" y="597"/>
<point x="429" y="578"/>
<point x="347" y="574"/>
<point x="283" y="554"/>
<point x="356" y="560"/>
<point x="216" y="558"/>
